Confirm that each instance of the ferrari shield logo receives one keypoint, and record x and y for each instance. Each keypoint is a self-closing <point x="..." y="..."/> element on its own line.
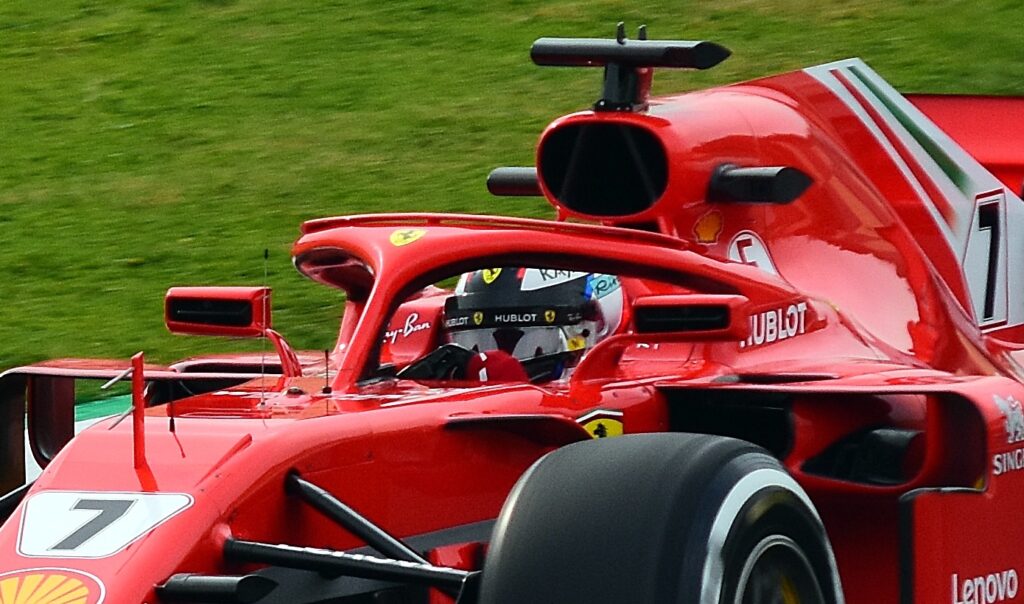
<point x="50" y="586"/>
<point x="406" y="236"/>
<point x="490" y="274"/>
<point x="603" y="423"/>
<point x="549" y="316"/>
<point x="478" y="318"/>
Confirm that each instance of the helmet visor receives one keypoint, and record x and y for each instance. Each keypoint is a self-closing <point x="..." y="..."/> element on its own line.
<point x="520" y="342"/>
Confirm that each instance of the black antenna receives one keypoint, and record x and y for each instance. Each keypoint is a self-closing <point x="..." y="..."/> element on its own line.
<point x="620" y="32"/>
<point x="327" y="372"/>
<point x="263" y="351"/>
<point x="641" y="32"/>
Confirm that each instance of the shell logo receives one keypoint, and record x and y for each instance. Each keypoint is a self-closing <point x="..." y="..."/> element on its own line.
<point x="708" y="227"/>
<point x="50" y="586"/>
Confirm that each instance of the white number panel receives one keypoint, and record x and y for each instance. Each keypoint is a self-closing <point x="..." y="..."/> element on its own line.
<point x="62" y="524"/>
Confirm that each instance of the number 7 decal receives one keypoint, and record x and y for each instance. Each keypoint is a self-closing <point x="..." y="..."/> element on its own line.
<point x="985" y="260"/>
<point x="988" y="220"/>
<point x="62" y="524"/>
<point x="109" y="511"/>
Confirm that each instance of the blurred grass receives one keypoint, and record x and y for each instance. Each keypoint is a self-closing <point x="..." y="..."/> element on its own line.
<point x="151" y="143"/>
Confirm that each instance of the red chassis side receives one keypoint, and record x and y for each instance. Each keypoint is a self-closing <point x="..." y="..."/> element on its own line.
<point x="859" y="268"/>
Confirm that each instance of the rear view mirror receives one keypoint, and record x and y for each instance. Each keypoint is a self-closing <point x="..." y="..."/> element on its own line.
<point x="218" y="311"/>
<point x="699" y="316"/>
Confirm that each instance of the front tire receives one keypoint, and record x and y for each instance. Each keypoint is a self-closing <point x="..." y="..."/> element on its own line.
<point x="659" y="518"/>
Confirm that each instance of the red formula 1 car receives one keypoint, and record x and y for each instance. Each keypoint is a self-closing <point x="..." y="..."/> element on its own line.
<point x="780" y="363"/>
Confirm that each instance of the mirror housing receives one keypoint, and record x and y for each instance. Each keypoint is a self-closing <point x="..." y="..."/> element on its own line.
<point x="698" y="316"/>
<point x="218" y="311"/>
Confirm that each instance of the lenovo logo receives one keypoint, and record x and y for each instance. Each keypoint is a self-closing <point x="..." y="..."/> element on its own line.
<point x="987" y="589"/>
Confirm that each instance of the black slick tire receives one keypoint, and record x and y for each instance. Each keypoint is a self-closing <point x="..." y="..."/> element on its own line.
<point x="659" y="518"/>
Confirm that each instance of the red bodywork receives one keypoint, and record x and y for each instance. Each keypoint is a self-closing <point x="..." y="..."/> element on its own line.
<point x="884" y="297"/>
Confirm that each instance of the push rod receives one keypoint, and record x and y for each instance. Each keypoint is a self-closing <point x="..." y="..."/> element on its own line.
<point x="353" y="521"/>
<point x="343" y="564"/>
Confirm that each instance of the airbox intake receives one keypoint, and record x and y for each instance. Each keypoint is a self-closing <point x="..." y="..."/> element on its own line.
<point x="603" y="169"/>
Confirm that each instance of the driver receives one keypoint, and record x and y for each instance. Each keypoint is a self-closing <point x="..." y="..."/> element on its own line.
<point x="533" y="315"/>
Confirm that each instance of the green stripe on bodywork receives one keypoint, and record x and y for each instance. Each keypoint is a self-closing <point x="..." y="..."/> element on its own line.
<point x="947" y="164"/>
<point x="102" y="408"/>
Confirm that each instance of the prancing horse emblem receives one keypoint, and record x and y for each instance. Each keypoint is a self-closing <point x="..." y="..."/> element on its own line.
<point x="1014" y="414"/>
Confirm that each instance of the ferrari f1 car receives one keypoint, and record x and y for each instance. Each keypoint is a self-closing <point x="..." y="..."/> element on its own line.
<point x="769" y="351"/>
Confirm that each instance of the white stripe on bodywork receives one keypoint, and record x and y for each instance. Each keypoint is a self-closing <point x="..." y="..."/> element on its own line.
<point x="963" y="234"/>
<point x="823" y="73"/>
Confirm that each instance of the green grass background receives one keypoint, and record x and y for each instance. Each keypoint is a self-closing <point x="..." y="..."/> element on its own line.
<point x="151" y="143"/>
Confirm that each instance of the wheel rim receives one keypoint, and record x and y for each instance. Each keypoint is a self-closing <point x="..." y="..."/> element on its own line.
<point x="778" y="572"/>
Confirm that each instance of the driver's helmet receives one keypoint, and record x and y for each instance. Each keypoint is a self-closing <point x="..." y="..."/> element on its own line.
<point x="531" y="312"/>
